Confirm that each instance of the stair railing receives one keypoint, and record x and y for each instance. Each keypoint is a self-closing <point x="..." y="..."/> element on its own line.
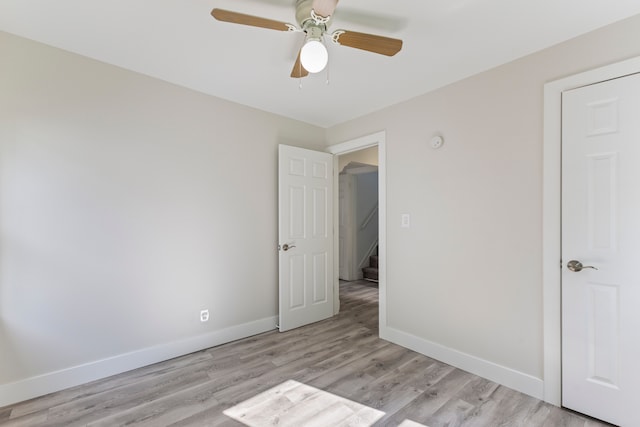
<point x="372" y="214"/>
<point x="364" y="261"/>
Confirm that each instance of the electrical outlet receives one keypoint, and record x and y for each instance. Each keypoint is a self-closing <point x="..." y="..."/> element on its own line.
<point x="204" y="315"/>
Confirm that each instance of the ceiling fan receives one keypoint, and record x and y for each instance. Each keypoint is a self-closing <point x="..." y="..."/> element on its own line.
<point x="314" y="19"/>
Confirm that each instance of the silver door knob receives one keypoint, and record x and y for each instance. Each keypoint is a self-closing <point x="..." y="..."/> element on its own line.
<point x="287" y="246"/>
<point x="577" y="266"/>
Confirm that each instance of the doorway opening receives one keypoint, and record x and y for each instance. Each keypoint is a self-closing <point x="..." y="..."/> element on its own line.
<point x="358" y="219"/>
<point x="358" y="215"/>
<point x="361" y="162"/>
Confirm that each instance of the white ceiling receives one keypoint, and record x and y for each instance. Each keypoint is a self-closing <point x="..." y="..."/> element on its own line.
<point x="178" y="41"/>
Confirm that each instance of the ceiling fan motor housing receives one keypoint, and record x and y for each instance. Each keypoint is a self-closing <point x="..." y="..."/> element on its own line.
<point x="314" y="32"/>
<point x="304" y="16"/>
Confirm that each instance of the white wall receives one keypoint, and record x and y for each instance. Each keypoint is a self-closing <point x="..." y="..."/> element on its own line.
<point x="367" y="156"/>
<point x="127" y="205"/>
<point x="464" y="283"/>
<point x="125" y="208"/>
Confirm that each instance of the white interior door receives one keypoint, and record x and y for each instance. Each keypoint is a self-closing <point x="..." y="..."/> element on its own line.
<point x="305" y="232"/>
<point x="601" y="228"/>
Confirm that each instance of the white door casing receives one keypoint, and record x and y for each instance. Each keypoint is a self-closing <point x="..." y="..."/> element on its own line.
<point x="376" y="139"/>
<point x="305" y="201"/>
<point x="601" y="228"/>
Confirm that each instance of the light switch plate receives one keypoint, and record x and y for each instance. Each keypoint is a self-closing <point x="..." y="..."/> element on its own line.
<point x="405" y="220"/>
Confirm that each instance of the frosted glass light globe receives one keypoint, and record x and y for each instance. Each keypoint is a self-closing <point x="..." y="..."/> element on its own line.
<point x="314" y="56"/>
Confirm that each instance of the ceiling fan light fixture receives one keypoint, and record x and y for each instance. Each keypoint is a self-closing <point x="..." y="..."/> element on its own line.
<point x="314" y="56"/>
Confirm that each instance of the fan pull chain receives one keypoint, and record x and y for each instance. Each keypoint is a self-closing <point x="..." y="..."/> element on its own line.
<point x="328" y="68"/>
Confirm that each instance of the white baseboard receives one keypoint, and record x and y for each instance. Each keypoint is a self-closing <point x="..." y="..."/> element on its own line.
<point x="59" y="380"/>
<point x="507" y="377"/>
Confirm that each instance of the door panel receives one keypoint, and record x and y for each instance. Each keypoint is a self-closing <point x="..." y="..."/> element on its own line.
<point x="306" y="228"/>
<point x="601" y="228"/>
<point x="602" y="206"/>
<point x="603" y="333"/>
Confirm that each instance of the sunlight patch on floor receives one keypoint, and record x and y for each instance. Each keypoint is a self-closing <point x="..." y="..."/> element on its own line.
<point x="409" y="423"/>
<point x="295" y="404"/>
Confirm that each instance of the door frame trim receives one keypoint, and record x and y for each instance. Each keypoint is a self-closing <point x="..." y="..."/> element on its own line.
<point x="551" y="215"/>
<point x="376" y="139"/>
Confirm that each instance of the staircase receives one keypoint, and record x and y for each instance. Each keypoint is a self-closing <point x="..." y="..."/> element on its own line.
<point x="371" y="272"/>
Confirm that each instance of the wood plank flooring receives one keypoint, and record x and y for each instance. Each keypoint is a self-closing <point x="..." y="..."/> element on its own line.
<point x="335" y="372"/>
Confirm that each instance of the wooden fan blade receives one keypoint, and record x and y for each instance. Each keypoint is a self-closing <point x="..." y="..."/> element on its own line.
<point x="253" y="21"/>
<point x="376" y="44"/>
<point x="298" y="70"/>
<point x="324" y="7"/>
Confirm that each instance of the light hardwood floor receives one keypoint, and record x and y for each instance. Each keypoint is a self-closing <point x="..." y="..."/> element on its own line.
<point x="335" y="372"/>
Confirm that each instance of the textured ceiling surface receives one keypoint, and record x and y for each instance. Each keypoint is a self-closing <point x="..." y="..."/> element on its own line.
<point x="178" y="41"/>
